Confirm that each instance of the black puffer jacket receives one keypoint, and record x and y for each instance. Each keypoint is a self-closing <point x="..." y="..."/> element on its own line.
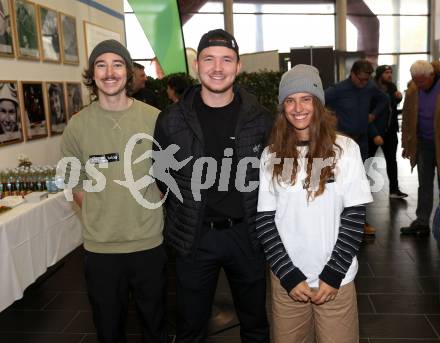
<point x="179" y="125"/>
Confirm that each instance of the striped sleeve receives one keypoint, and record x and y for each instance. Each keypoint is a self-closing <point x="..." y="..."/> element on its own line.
<point x="276" y="254"/>
<point x="346" y="247"/>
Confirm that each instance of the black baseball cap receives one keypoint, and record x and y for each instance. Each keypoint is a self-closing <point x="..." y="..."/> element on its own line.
<point x="218" y="37"/>
<point x="138" y="65"/>
<point x="382" y="69"/>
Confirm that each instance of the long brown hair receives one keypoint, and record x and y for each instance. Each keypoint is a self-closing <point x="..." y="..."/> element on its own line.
<point x="284" y="143"/>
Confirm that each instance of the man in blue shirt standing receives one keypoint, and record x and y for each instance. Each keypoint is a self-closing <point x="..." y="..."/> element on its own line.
<point x="351" y="100"/>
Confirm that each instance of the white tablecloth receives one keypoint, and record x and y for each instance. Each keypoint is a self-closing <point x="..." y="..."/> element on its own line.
<point x="34" y="237"/>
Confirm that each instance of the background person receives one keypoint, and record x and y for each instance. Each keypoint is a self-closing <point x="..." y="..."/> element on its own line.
<point x="176" y="85"/>
<point x="384" y="80"/>
<point x="351" y="100"/>
<point x="311" y="229"/>
<point x="421" y="139"/>
<point x="141" y="91"/>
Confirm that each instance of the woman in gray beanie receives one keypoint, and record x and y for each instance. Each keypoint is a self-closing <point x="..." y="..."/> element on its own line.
<point x="311" y="208"/>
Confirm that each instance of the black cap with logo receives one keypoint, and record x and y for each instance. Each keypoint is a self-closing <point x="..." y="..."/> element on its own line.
<point x="218" y="37"/>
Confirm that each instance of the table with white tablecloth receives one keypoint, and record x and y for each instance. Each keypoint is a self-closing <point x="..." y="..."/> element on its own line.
<point x="33" y="237"/>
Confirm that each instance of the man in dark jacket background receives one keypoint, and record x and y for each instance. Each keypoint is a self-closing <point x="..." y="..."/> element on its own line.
<point x="223" y="130"/>
<point x="351" y="100"/>
<point x="141" y="90"/>
<point x="384" y="80"/>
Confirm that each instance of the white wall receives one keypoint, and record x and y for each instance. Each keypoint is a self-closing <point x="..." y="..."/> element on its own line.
<point x="46" y="150"/>
<point x="258" y="61"/>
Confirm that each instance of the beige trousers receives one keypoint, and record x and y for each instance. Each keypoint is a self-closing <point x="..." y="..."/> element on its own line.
<point x="297" y="322"/>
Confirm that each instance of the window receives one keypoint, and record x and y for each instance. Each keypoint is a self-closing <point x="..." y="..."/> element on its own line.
<point x="397" y="34"/>
<point x="402" y="28"/>
<point x="399" y="7"/>
<point x="273" y="26"/>
<point x="137" y="43"/>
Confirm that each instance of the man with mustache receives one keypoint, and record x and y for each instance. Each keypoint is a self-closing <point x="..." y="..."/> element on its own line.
<point x="216" y="121"/>
<point x="122" y="240"/>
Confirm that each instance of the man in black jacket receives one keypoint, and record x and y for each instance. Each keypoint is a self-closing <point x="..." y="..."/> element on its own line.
<point x="384" y="81"/>
<point x="222" y="129"/>
<point x="141" y="90"/>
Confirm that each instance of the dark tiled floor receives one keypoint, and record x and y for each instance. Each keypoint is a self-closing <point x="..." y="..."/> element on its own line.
<point x="397" y="283"/>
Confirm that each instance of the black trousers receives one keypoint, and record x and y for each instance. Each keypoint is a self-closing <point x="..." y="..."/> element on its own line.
<point x="426" y="167"/>
<point x="110" y="279"/>
<point x="197" y="278"/>
<point x="389" y="149"/>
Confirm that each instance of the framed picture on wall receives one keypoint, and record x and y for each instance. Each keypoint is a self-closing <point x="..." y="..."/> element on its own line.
<point x="74" y="98"/>
<point x="10" y="114"/>
<point x="6" y="36"/>
<point x="50" y="34"/>
<point x="93" y="34"/>
<point x="26" y="30"/>
<point x="56" y="104"/>
<point x="69" y="39"/>
<point x="34" y="111"/>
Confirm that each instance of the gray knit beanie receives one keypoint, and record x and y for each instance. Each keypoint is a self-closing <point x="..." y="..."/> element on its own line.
<point x="302" y="78"/>
<point x="109" y="45"/>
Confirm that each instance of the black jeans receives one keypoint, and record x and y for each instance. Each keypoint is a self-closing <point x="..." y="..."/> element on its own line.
<point x="197" y="278"/>
<point x="426" y="166"/>
<point x="389" y="149"/>
<point x="111" y="277"/>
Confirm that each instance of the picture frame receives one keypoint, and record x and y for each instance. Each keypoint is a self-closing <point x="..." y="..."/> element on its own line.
<point x="94" y="34"/>
<point x="56" y="107"/>
<point x="34" y="117"/>
<point x="26" y="33"/>
<point x="49" y="29"/>
<point x="74" y="102"/>
<point x="11" y="121"/>
<point x="69" y="39"/>
<point x="6" y="29"/>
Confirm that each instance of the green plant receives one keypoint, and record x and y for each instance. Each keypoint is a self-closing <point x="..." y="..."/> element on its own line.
<point x="263" y="84"/>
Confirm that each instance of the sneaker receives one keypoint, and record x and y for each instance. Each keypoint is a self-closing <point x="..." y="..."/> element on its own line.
<point x="398" y="195"/>
<point x="415" y="229"/>
<point x="369" y="230"/>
